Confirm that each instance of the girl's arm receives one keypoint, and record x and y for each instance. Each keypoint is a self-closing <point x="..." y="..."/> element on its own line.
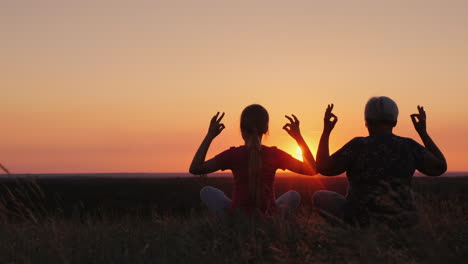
<point x="199" y="165"/>
<point x="308" y="166"/>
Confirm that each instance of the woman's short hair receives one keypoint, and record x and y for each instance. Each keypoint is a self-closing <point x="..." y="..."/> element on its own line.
<point x="381" y="109"/>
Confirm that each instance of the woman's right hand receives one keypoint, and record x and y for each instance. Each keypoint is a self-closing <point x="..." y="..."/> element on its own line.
<point x="329" y="120"/>
<point x="216" y="126"/>
<point x="419" y="120"/>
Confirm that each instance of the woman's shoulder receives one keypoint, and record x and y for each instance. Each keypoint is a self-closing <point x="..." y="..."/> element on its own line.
<point x="358" y="140"/>
<point x="404" y="139"/>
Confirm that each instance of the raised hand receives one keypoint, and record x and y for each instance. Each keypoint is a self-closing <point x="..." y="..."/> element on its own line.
<point x="419" y="120"/>
<point x="329" y="120"/>
<point x="215" y="125"/>
<point x="199" y="166"/>
<point x="293" y="127"/>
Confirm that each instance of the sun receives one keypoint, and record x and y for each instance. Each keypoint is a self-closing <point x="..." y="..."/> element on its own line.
<point x="298" y="153"/>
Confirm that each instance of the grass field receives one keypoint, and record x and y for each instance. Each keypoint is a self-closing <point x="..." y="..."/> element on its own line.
<point x="83" y="220"/>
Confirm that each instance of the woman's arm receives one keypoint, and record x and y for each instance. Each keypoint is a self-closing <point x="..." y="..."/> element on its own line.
<point x="434" y="163"/>
<point x="325" y="164"/>
<point x="308" y="166"/>
<point x="199" y="165"/>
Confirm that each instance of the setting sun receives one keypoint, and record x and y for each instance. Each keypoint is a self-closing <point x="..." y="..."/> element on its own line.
<point x="298" y="153"/>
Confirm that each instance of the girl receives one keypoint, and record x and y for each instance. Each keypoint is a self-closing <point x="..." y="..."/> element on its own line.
<point x="253" y="166"/>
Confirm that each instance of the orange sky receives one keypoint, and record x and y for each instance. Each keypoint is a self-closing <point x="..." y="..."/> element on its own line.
<point x="129" y="86"/>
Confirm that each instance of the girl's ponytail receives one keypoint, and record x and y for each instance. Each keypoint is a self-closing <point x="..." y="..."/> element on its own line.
<point x="254" y="149"/>
<point x="254" y="124"/>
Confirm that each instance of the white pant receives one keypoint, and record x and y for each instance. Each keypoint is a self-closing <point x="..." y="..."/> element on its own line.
<point x="217" y="201"/>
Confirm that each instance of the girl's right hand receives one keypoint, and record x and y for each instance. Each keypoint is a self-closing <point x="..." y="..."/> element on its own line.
<point x="293" y="127"/>
<point x="216" y="126"/>
<point x="329" y="120"/>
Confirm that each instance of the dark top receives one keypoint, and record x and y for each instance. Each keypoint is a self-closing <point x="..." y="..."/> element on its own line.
<point x="379" y="169"/>
<point x="236" y="159"/>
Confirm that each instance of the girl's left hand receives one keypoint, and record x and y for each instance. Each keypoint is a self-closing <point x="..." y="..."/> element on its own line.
<point x="293" y="127"/>
<point x="215" y="125"/>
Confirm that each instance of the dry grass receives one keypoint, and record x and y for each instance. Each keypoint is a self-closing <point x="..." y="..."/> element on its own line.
<point x="442" y="236"/>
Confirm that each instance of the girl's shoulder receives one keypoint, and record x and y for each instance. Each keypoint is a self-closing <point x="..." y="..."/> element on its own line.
<point x="269" y="148"/>
<point x="236" y="150"/>
<point x="239" y="150"/>
<point x="243" y="148"/>
<point x="272" y="149"/>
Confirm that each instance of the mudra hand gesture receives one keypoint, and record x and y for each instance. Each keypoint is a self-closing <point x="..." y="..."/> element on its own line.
<point x="216" y="126"/>
<point x="329" y="120"/>
<point x="293" y="127"/>
<point x="419" y="120"/>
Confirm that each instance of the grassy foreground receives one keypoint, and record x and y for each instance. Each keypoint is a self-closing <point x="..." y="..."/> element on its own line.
<point x="197" y="237"/>
<point x="441" y="237"/>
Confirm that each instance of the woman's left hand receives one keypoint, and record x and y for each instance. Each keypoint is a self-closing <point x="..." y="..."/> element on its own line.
<point x="329" y="120"/>
<point x="293" y="127"/>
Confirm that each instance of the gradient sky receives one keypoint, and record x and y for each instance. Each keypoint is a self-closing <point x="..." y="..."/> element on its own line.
<point x="130" y="86"/>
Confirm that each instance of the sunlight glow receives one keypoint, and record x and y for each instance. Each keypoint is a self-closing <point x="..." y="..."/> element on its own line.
<point x="298" y="154"/>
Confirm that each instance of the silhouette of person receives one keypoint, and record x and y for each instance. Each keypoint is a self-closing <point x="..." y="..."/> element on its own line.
<point x="379" y="168"/>
<point x="253" y="166"/>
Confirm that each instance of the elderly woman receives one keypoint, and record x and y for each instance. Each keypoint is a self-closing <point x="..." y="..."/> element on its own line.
<point x="379" y="168"/>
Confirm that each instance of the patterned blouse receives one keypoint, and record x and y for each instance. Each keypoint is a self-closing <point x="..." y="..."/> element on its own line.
<point x="379" y="170"/>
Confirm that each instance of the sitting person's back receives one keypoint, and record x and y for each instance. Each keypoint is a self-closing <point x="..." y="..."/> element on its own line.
<point x="379" y="173"/>
<point x="379" y="168"/>
<point x="253" y="166"/>
<point x="236" y="159"/>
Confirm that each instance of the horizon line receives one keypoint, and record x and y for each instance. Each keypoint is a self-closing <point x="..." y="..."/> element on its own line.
<point x="175" y="172"/>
